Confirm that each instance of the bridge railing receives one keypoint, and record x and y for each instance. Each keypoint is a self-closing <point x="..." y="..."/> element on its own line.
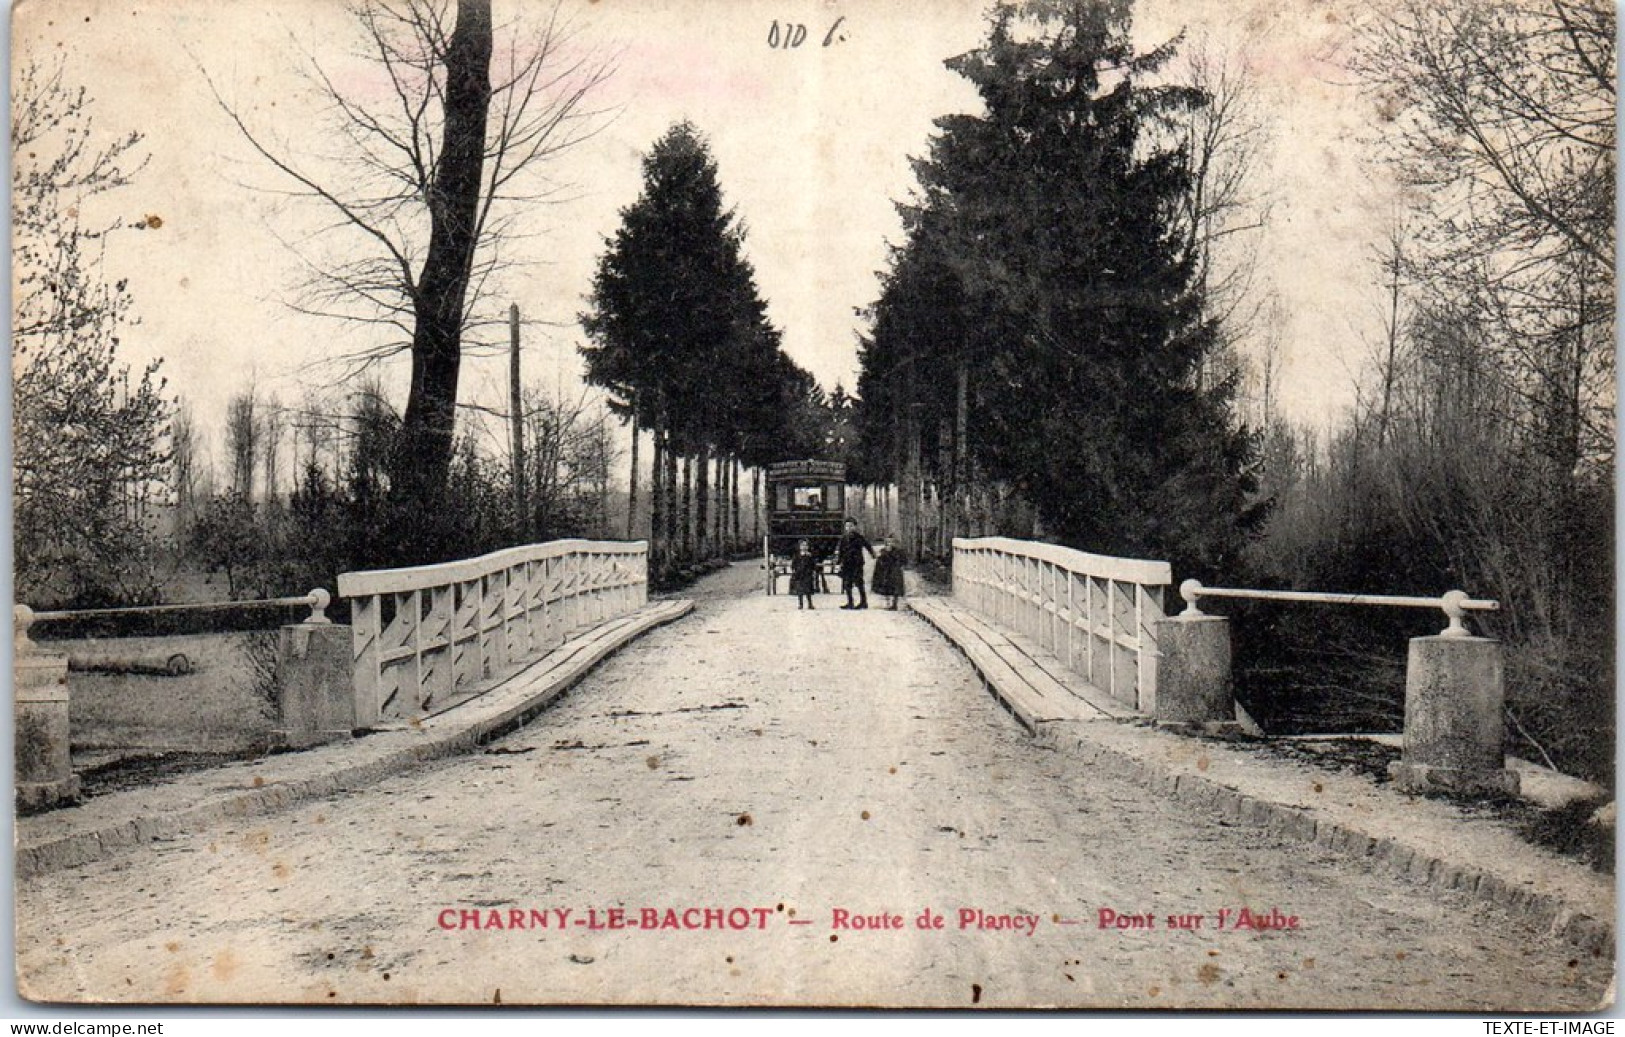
<point x="42" y="692"/>
<point x="1454" y="683"/>
<point x="1097" y="614"/>
<point x="418" y="634"/>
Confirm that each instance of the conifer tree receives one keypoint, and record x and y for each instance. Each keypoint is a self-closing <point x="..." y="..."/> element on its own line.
<point x="1044" y="259"/>
<point x="679" y="333"/>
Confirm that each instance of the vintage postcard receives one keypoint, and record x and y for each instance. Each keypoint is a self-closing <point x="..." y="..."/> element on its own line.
<point x="1045" y="504"/>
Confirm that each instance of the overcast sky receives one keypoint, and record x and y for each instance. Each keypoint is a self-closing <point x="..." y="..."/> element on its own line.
<point x="812" y="144"/>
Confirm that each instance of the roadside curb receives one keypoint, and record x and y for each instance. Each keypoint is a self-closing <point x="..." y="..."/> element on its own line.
<point x="1303" y="825"/>
<point x="331" y="769"/>
<point x="1307" y="825"/>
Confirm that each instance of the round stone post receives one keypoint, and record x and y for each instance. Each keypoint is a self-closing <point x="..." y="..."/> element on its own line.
<point x="44" y="774"/>
<point x="1193" y="673"/>
<point x="1454" y="731"/>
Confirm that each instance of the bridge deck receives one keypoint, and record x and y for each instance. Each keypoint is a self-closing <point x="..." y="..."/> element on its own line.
<point x="755" y="757"/>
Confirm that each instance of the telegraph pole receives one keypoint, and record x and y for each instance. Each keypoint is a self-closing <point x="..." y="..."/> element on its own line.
<point x="516" y="419"/>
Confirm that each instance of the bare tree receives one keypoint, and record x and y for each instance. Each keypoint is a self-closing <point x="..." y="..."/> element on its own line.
<point x="1509" y="107"/>
<point x="270" y="435"/>
<point x="1500" y="114"/>
<point x="185" y="478"/>
<point x="1391" y="259"/>
<point x="243" y="440"/>
<point x="317" y="428"/>
<point x="569" y="460"/>
<point x="1226" y="138"/>
<point x="1493" y="413"/>
<point x="421" y="193"/>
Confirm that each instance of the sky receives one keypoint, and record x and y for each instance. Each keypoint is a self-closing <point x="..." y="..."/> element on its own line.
<point x="813" y="146"/>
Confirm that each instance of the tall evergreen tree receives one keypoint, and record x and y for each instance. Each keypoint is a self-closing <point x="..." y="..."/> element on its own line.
<point x="679" y="333"/>
<point x="1044" y="246"/>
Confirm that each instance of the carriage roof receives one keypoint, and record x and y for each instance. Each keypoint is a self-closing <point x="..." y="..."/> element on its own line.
<point x="820" y="471"/>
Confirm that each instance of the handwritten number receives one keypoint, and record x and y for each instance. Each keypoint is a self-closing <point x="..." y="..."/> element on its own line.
<point x="791" y="35"/>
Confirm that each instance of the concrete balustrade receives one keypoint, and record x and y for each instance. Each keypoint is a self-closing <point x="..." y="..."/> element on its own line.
<point x="1095" y="613"/>
<point x="419" y="634"/>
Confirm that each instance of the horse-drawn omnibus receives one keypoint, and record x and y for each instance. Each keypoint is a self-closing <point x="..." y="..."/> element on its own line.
<point x="806" y="500"/>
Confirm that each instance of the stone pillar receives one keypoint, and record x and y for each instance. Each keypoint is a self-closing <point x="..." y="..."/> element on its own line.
<point x="1193" y="673"/>
<point x="315" y="688"/>
<point x="1454" y="730"/>
<point x="45" y="775"/>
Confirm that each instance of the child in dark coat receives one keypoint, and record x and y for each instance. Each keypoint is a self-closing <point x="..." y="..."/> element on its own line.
<point x="803" y="571"/>
<point x="888" y="578"/>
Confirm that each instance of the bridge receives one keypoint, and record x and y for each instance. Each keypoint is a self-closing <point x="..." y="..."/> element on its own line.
<point x="1026" y="793"/>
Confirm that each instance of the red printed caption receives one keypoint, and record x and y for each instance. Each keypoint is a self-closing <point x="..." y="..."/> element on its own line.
<point x="966" y="918"/>
<point x="611" y="919"/>
<point x="1244" y="918"/>
<point x="841" y="919"/>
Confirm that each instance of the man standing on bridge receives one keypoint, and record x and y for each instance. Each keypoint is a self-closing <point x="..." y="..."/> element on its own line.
<point x="850" y="552"/>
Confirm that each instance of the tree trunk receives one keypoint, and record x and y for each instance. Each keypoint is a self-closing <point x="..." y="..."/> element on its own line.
<point x="671" y="500"/>
<point x="516" y="424"/>
<point x="1391" y="361"/>
<point x="422" y="457"/>
<point x="725" y="511"/>
<point x="702" y="502"/>
<point x="601" y="462"/>
<point x="911" y="496"/>
<point x="722" y="504"/>
<point x="961" y="504"/>
<point x="632" y="492"/>
<point x="688" y="505"/>
<point x="756" y="505"/>
<point x="733" y="504"/>
<point x="720" y="524"/>
<point x="657" y="499"/>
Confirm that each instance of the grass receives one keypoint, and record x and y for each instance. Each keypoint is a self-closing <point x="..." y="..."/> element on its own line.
<point x="220" y="706"/>
<point x="128" y="772"/>
<point x="1564" y="830"/>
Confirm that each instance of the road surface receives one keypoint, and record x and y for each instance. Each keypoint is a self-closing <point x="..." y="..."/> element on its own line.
<point x="730" y="784"/>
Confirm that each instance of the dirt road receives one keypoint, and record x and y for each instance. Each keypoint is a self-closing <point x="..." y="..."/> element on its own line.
<point x="730" y="784"/>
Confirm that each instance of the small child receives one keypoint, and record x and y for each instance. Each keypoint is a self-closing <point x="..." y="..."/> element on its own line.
<point x="888" y="578"/>
<point x="803" y="571"/>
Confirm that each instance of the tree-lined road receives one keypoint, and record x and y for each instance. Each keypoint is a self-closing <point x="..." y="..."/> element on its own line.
<point x="734" y="780"/>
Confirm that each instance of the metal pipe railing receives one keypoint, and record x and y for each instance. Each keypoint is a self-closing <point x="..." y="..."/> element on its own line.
<point x="1455" y="604"/>
<point x="317" y="599"/>
<point x="24" y="617"/>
